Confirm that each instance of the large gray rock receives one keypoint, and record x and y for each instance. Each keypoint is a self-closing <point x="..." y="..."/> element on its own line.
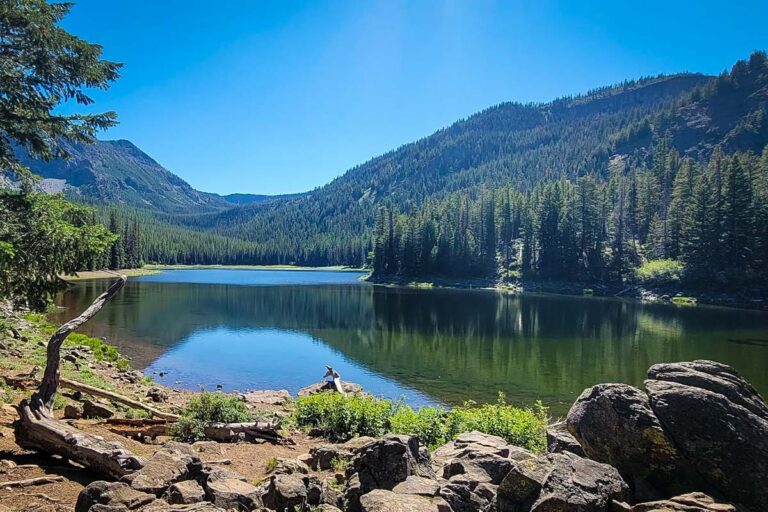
<point x="419" y="486"/>
<point x="232" y="494"/>
<point x="691" y="502"/>
<point x="284" y="493"/>
<point x="468" y="495"/>
<point x="381" y="500"/>
<point x="561" y="482"/>
<point x="614" y="424"/>
<point x="384" y="463"/>
<point x="172" y="463"/>
<point x="726" y="442"/>
<point x="323" y="386"/>
<point x="478" y="467"/>
<point x="476" y="442"/>
<point x="96" y="410"/>
<point x="118" y="496"/>
<point x="162" y="506"/>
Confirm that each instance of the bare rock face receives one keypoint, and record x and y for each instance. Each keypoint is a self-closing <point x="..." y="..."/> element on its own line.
<point x="172" y="463"/>
<point x="72" y="412"/>
<point x="118" y="496"/>
<point x="93" y="409"/>
<point x="284" y="492"/>
<point x="560" y="482"/>
<point x="476" y="442"/>
<point x="614" y="424"/>
<point x="322" y="457"/>
<point x="559" y="440"/>
<point x="290" y="466"/>
<point x="157" y="395"/>
<point x="419" y="486"/>
<point x="720" y="425"/>
<point x="691" y="502"/>
<point x="381" y="500"/>
<point x="162" y="506"/>
<point x="233" y="494"/>
<point x="184" y="493"/>
<point x="384" y="463"/>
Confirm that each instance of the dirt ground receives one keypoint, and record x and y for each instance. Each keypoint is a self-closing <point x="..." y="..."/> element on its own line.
<point x="17" y="360"/>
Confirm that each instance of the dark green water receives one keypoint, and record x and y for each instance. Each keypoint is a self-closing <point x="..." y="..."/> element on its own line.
<point x="261" y="329"/>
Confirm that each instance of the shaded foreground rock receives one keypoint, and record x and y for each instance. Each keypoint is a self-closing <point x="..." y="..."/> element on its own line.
<point x="118" y="496"/>
<point x="559" y="440"/>
<point x="384" y="463"/>
<point x="561" y="482"/>
<point x="172" y="463"/>
<point x="324" y="456"/>
<point x="284" y="492"/>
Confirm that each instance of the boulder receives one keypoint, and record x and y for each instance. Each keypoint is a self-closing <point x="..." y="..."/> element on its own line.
<point x="323" y="457"/>
<point x="232" y="493"/>
<point x="418" y="485"/>
<point x="172" y="463"/>
<point x="289" y="467"/>
<point x="614" y="424"/>
<point x="560" y="482"/>
<point x="476" y="442"/>
<point x="183" y="493"/>
<point x="118" y="496"/>
<point x="380" y="500"/>
<point x="157" y="395"/>
<point x="98" y="410"/>
<point x="384" y="463"/>
<point x="723" y="439"/>
<point x="468" y="495"/>
<point x="349" y="388"/>
<point x="560" y="440"/>
<point x="284" y="492"/>
<point x="163" y="506"/>
<point x="691" y="502"/>
<point x="72" y="412"/>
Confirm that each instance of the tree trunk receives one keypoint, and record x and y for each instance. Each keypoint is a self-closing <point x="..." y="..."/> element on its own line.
<point x="38" y="429"/>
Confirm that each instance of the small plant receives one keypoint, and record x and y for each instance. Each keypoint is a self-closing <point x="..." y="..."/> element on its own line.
<point x="344" y="417"/>
<point x="428" y="423"/>
<point x="272" y="464"/>
<point x="6" y="394"/>
<point x="208" y="408"/>
<point x="339" y="465"/>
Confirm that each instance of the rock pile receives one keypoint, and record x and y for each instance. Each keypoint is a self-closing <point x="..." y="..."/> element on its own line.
<point x="697" y="441"/>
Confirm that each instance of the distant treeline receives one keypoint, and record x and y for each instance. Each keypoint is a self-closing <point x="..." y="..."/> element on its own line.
<point x="711" y="217"/>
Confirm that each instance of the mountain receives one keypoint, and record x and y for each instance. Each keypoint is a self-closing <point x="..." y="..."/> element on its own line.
<point x="117" y="172"/>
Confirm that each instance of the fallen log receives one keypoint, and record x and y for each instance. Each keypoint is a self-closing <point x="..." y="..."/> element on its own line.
<point x="38" y="430"/>
<point x="135" y="422"/>
<point x="130" y="402"/>
<point x="31" y="481"/>
<point x="233" y="432"/>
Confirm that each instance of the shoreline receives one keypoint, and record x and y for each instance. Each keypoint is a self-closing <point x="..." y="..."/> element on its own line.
<point x="680" y="297"/>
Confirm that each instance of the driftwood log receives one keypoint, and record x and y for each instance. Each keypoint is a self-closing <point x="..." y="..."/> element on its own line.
<point x="31" y="481"/>
<point x="38" y="430"/>
<point x="233" y="432"/>
<point x="130" y="402"/>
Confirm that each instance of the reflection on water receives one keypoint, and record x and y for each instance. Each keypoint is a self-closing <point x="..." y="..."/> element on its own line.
<point x="443" y="345"/>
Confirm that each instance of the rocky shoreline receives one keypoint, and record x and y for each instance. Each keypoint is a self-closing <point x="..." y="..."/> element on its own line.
<point x="695" y="440"/>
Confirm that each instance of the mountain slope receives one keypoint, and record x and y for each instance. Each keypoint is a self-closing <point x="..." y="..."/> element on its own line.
<point x="118" y="172"/>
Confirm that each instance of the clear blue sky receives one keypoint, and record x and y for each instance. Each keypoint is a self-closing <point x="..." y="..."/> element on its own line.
<point x="283" y="96"/>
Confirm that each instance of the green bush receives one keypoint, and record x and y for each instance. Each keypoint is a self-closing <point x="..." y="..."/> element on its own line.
<point x="524" y="427"/>
<point x="208" y="408"/>
<point x="344" y="417"/>
<point x="659" y="272"/>
<point x="428" y="423"/>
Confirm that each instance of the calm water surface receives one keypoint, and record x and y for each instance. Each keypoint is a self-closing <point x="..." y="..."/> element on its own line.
<point x="249" y="329"/>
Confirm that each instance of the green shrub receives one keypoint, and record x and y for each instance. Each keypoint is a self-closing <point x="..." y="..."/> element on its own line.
<point x="428" y="423"/>
<point x="344" y="417"/>
<point x="659" y="272"/>
<point x="524" y="427"/>
<point x="208" y="408"/>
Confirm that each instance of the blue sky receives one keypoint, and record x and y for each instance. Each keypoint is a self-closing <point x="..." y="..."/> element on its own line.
<point x="283" y="96"/>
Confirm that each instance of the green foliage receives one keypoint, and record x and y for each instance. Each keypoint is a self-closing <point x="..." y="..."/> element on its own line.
<point x="524" y="427"/>
<point x="429" y="423"/>
<point x="339" y="465"/>
<point x="684" y="301"/>
<point x="137" y="413"/>
<point x="206" y="408"/>
<point x="271" y="464"/>
<point x="659" y="272"/>
<point x="6" y="394"/>
<point x="344" y="417"/>
<point x="49" y="236"/>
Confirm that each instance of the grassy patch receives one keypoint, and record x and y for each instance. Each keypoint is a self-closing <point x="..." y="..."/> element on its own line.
<point x="684" y="301"/>
<point x="206" y="408"/>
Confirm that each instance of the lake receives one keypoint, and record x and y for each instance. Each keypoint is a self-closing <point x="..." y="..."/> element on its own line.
<point x="276" y="329"/>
